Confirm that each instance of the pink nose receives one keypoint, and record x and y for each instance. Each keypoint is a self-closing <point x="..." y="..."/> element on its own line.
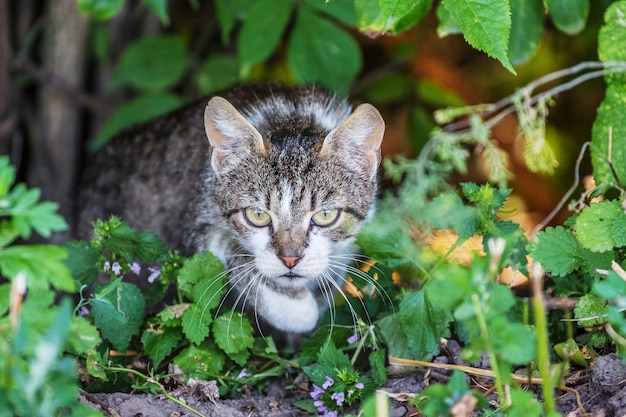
<point x="290" y="261"/>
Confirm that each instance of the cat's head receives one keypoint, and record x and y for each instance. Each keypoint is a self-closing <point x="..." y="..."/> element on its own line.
<point x="295" y="182"/>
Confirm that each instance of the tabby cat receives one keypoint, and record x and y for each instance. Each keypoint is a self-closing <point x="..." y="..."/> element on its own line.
<point x="277" y="193"/>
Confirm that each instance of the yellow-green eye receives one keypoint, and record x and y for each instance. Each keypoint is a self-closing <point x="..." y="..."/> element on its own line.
<point x="257" y="217"/>
<point x="324" y="218"/>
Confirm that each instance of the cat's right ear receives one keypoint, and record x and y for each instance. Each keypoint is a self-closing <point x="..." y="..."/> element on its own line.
<point x="231" y="136"/>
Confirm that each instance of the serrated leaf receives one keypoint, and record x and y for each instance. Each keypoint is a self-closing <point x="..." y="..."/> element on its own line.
<point x="262" y="31"/>
<point x="610" y="126"/>
<point x="569" y="16"/>
<point x="526" y="29"/>
<point x="133" y="112"/>
<point x="332" y="357"/>
<point x="611" y="39"/>
<point x="233" y="333"/>
<point x="202" y="279"/>
<point x="41" y="264"/>
<point x="82" y="260"/>
<point x="152" y="63"/>
<point x="401" y="15"/>
<point x="594" y="225"/>
<point x="618" y="231"/>
<point x="119" y="314"/>
<point x="158" y="342"/>
<point x="196" y="321"/>
<point x="83" y="336"/>
<point x="591" y="308"/>
<point x="320" y="51"/>
<point x="486" y="25"/>
<point x="377" y="363"/>
<point x="203" y="361"/>
<point x="558" y="251"/>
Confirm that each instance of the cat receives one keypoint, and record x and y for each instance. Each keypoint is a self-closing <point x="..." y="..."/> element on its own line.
<point x="278" y="192"/>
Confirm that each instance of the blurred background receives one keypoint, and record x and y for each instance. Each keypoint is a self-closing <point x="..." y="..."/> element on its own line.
<point x="73" y="73"/>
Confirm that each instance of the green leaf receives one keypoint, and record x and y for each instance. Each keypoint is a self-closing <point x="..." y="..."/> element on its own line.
<point x="447" y="25"/>
<point x="262" y="31"/>
<point x="590" y="310"/>
<point x="332" y="357"/>
<point x="401" y="15"/>
<point x="135" y="111"/>
<point x="526" y="29"/>
<point x="152" y="63"/>
<point x="204" y="361"/>
<point x="202" y="279"/>
<point x="196" y="321"/>
<point x="42" y="266"/>
<point x="369" y="17"/>
<point x="158" y="342"/>
<point x="610" y="127"/>
<point x="594" y="225"/>
<point x="216" y="73"/>
<point x="611" y="39"/>
<point x="321" y="51"/>
<point x="83" y="336"/>
<point x="377" y="363"/>
<point x="569" y="16"/>
<point x="160" y="8"/>
<point x="118" y="313"/>
<point x="233" y="334"/>
<point x="228" y="12"/>
<point x="101" y="9"/>
<point x="557" y="250"/>
<point x="514" y="342"/>
<point x="82" y="260"/>
<point x="486" y="25"/>
<point x="344" y="11"/>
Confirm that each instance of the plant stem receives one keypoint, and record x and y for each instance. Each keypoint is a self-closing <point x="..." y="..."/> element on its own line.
<point x="484" y="330"/>
<point x="541" y="325"/>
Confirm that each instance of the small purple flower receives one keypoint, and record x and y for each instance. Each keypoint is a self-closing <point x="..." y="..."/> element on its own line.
<point x="243" y="374"/>
<point x="331" y="414"/>
<point x="106" y="267"/>
<point x="154" y="274"/>
<point x="320" y="406"/>
<point x="84" y="311"/>
<point x="339" y="397"/>
<point x="317" y="391"/>
<point x="359" y="385"/>
<point x="117" y="268"/>
<point x="135" y="268"/>
<point x="353" y="338"/>
<point x="329" y="383"/>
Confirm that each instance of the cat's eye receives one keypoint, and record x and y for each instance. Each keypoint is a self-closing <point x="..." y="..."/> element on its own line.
<point x="257" y="217"/>
<point x="325" y="218"/>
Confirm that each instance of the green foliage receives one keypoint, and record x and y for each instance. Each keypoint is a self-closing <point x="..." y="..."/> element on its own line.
<point x="570" y="16"/>
<point x="437" y="399"/>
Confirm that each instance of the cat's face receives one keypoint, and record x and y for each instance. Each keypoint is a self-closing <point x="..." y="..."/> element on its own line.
<point x="295" y="198"/>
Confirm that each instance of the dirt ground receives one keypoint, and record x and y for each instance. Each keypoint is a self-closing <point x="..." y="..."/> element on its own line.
<point x="597" y="392"/>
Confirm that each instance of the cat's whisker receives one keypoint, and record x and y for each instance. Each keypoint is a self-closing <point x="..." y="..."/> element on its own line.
<point x="331" y="281"/>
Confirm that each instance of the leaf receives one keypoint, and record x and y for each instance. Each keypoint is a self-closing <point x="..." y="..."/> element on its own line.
<point x="526" y="29"/>
<point x="591" y="308"/>
<point x="202" y="279"/>
<point x="321" y="51"/>
<point x="569" y="16"/>
<point x="82" y="260"/>
<point x="377" y="363"/>
<point x="610" y="127"/>
<point x="557" y="250"/>
<point x="486" y="25"/>
<point x="594" y="225"/>
<point x="401" y="15"/>
<point x="152" y="63"/>
<point x="369" y="17"/>
<point x="233" y="333"/>
<point x="101" y="9"/>
<point x="196" y="321"/>
<point x="228" y="12"/>
<point x="447" y="25"/>
<point x="216" y="73"/>
<point x="118" y="313"/>
<point x="344" y="11"/>
<point x="262" y="31"/>
<point x="332" y="357"/>
<point x="203" y="361"/>
<point x="135" y="111"/>
<point x="41" y="264"/>
<point x="83" y="336"/>
<point x="611" y="39"/>
<point x="514" y="342"/>
<point x="158" y="342"/>
<point x="159" y="7"/>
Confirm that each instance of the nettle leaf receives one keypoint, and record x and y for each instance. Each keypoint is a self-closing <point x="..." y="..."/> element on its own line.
<point x="233" y="334"/>
<point x="152" y="63"/>
<point x="557" y="250"/>
<point x="611" y="39"/>
<point x="83" y="336"/>
<point x="447" y="212"/>
<point x="344" y="11"/>
<point x="118" y="311"/>
<point x="196" y="321"/>
<point x="595" y="225"/>
<point x="133" y="112"/>
<point x="202" y="279"/>
<point x="592" y="309"/>
<point x="526" y="29"/>
<point x="369" y="17"/>
<point x="377" y="363"/>
<point x="262" y="31"/>
<point x="321" y="51"/>
<point x="216" y="73"/>
<point x="610" y="127"/>
<point x="330" y="356"/>
<point x="42" y="266"/>
<point x="204" y="361"/>
<point x="569" y="16"/>
<point x="401" y="14"/>
<point x="82" y="260"/>
<point x="158" y="342"/>
<point x="514" y="342"/>
<point x="486" y="25"/>
<point x="447" y="25"/>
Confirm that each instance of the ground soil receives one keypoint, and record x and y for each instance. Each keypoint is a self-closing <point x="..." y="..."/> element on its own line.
<point x="599" y="392"/>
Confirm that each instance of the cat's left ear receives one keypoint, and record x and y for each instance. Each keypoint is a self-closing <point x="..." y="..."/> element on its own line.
<point x="359" y="138"/>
